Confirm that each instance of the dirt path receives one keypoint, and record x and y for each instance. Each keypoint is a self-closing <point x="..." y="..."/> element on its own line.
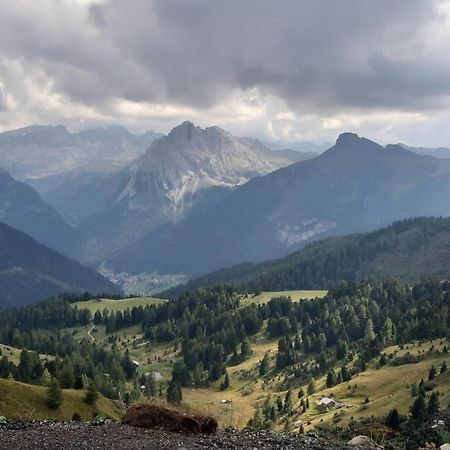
<point x="89" y="332"/>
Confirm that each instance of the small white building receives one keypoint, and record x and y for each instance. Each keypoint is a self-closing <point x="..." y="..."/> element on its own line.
<point x="155" y="375"/>
<point x="326" y="403"/>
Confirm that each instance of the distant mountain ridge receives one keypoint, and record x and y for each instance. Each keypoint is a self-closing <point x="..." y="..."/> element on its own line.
<point x="40" y="151"/>
<point x="22" y="207"/>
<point x="30" y="271"/>
<point x="437" y="152"/>
<point x="356" y="185"/>
<point x="409" y="250"/>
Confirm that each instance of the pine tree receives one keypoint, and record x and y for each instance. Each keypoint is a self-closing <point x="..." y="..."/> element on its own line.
<point x="54" y="394"/>
<point x="91" y="394"/>
<point x="433" y="404"/>
<point x="443" y="367"/>
<point x="311" y="386"/>
<point x="174" y="392"/>
<point x="225" y="383"/>
<point x="369" y="333"/>
<point x="45" y="378"/>
<point x="150" y="386"/>
<point x="288" y="401"/>
<point x="246" y="349"/>
<point x="279" y="404"/>
<point x="432" y="373"/>
<point x="264" y="365"/>
<point x="393" y="419"/>
<point x="345" y="374"/>
<point x="331" y="379"/>
<point x="67" y="377"/>
<point x="418" y="410"/>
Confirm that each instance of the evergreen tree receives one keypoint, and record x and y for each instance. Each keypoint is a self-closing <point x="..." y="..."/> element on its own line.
<point x="311" y="386"/>
<point x="174" y="392"/>
<point x="393" y="420"/>
<point x="225" y="383"/>
<point x="288" y="401"/>
<point x="246" y="349"/>
<point x="443" y="367"/>
<point x="150" y="386"/>
<point x="279" y="404"/>
<point x="264" y="365"/>
<point x="45" y="378"/>
<point x="331" y="379"/>
<point x="91" y="394"/>
<point x="345" y="374"/>
<point x="433" y="404"/>
<point x="54" y="394"/>
<point x="67" y="377"/>
<point x="418" y="410"/>
<point x="369" y="333"/>
<point x="432" y="373"/>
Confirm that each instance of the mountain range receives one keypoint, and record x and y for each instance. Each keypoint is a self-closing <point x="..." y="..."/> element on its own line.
<point x="41" y="151"/>
<point x="30" y="271"/>
<point x="356" y="185"/>
<point x="200" y="199"/>
<point x="181" y="174"/>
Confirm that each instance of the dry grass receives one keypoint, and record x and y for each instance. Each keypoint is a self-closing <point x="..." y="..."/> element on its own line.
<point x="18" y="400"/>
<point x="296" y="296"/>
<point x="117" y="305"/>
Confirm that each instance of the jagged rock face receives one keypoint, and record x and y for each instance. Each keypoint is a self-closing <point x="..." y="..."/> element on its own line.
<point x="41" y="151"/>
<point x="189" y="168"/>
<point x="190" y="159"/>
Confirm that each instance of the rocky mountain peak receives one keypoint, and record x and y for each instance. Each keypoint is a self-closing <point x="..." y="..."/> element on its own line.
<point x="347" y="138"/>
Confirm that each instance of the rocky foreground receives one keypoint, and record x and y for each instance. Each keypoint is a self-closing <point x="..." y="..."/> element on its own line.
<point x="45" y="435"/>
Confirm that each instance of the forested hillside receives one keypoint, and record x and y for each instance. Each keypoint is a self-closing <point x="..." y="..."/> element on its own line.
<point x="211" y="342"/>
<point x="30" y="271"/>
<point x="408" y="250"/>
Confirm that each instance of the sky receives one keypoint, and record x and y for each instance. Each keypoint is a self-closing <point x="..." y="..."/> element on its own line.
<point x="286" y="70"/>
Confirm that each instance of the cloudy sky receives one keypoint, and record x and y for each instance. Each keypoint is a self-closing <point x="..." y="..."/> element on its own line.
<point x="288" y="70"/>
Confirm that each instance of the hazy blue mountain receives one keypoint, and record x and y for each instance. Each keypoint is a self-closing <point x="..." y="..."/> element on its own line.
<point x="300" y="146"/>
<point x="356" y="185"/>
<point x="30" y="271"/>
<point x="409" y="250"/>
<point x="23" y="208"/>
<point x="41" y="151"/>
<point x="437" y="152"/>
<point x="78" y="193"/>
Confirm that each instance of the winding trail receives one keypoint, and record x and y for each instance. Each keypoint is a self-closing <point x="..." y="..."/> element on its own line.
<point x="89" y="332"/>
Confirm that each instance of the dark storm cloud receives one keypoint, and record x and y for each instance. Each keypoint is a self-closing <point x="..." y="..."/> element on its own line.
<point x="321" y="54"/>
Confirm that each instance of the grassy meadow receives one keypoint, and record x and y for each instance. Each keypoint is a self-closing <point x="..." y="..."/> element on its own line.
<point x="117" y="305"/>
<point x="18" y="400"/>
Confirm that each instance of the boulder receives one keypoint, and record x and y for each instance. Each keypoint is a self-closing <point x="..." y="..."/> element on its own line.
<point x="155" y="416"/>
<point x="364" y="442"/>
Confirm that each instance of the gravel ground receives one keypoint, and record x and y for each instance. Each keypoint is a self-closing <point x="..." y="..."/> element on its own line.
<point x="45" y="435"/>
